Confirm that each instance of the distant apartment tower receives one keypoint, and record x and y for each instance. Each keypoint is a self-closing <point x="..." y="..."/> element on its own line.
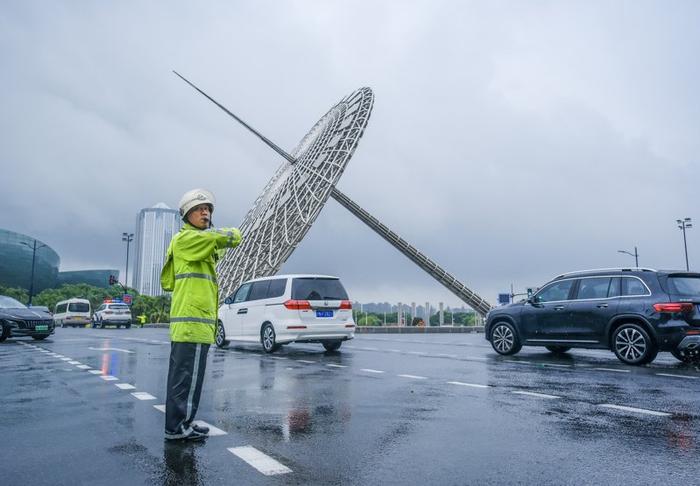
<point x="155" y="227"/>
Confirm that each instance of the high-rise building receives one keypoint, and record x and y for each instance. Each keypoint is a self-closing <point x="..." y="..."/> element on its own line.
<point x="155" y="227"/>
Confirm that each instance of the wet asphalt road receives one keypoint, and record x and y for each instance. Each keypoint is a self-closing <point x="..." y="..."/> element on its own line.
<point x="387" y="409"/>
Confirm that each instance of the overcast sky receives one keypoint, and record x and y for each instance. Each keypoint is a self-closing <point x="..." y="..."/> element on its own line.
<point x="509" y="141"/>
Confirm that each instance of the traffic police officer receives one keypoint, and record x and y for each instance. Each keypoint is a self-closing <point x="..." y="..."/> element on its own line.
<point x="189" y="272"/>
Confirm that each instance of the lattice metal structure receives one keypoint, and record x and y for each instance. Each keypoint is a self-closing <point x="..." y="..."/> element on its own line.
<point x="294" y="197"/>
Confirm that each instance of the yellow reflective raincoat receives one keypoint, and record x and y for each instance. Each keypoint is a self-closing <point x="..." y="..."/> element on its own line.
<point x="190" y="273"/>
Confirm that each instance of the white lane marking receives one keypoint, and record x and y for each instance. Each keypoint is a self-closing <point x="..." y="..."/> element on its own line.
<point x="213" y="431"/>
<point x="677" y="376"/>
<point x="113" y="349"/>
<point x="259" y="460"/>
<point x="74" y="362"/>
<point x="143" y="396"/>
<point x="557" y="365"/>
<point x="635" y="410"/>
<point x="419" y="353"/>
<point x="278" y="357"/>
<point x="109" y="378"/>
<point x="95" y="372"/>
<point x="58" y="355"/>
<point x="468" y="384"/>
<point x="532" y="394"/>
<point x="306" y="361"/>
<point x="612" y="369"/>
<point x="66" y="359"/>
<point x="373" y="349"/>
<point x="160" y="408"/>
<point x="125" y="386"/>
<point x="336" y="365"/>
<point x="83" y="367"/>
<point x="368" y="370"/>
<point x="414" y="377"/>
<point x="394" y="350"/>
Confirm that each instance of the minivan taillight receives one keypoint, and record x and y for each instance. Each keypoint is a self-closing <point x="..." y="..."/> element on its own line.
<point x="345" y="305"/>
<point x="298" y="304"/>
<point x="674" y="307"/>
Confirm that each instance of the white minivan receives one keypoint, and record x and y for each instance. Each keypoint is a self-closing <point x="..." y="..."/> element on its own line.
<point x="72" y="312"/>
<point x="287" y="308"/>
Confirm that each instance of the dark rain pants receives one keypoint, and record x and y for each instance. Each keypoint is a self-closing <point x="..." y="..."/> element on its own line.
<point x="188" y="361"/>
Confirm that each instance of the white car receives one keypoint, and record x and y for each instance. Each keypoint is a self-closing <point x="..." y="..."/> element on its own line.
<point x="112" y="314"/>
<point x="287" y="308"/>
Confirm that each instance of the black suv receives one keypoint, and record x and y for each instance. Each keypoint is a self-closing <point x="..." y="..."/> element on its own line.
<point x="634" y="312"/>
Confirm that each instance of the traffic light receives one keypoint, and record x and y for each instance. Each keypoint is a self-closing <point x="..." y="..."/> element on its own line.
<point x="112" y="280"/>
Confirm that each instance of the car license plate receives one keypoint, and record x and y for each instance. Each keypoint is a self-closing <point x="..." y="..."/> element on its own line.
<point x="324" y="313"/>
<point x="41" y="328"/>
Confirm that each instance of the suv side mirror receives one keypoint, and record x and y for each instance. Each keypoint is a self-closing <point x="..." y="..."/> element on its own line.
<point x="227" y="300"/>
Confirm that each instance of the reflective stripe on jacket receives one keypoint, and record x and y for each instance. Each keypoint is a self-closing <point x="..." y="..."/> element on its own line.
<point x="190" y="273"/>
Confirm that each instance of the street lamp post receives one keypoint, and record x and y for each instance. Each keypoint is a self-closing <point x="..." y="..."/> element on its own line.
<point x="34" y="248"/>
<point x="684" y="224"/>
<point x="635" y="255"/>
<point x="128" y="237"/>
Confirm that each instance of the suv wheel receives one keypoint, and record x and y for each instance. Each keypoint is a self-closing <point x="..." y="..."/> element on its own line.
<point x="268" y="338"/>
<point x="504" y="339"/>
<point x="632" y="345"/>
<point x="4" y="333"/>
<point x="682" y="357"/>
<point x="220" y="338"/>
<point x="558" y="349"/>
<point x="332" y="345"/>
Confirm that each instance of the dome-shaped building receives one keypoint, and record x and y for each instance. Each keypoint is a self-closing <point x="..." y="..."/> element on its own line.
<point x="16" y="252"/>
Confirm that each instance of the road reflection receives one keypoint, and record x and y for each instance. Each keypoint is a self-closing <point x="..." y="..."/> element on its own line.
<point x="180" y="464"/>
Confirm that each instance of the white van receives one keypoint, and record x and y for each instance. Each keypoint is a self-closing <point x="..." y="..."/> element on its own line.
<point x="287" y="308"/>
<point x="72" y="312"/>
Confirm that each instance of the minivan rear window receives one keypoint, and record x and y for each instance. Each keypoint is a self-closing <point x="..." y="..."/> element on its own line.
<point x="684" y="285"/>
<point x="78" y="307"/>
<point x="318" y="289"/>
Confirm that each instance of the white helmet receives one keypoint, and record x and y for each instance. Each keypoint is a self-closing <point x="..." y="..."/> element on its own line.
<point x="195" y="197"/>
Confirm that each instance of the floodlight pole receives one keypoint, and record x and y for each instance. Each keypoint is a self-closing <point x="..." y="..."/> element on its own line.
<point x="433" y="269"/>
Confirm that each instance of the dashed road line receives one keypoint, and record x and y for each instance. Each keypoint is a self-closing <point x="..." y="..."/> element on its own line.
<point x="74" y="362"/>
<point x="670" y="375"/>
<point x="95" y="372"/>
<point x="259" y="460"/>
<point x="306" y="361"/>
<point x="143" y="396"/>
<point x="611" y="369"/>
<point x="160" y="408"/>
<point x="83" y="367"/>
<point x="125" y="386"/>
<point x="532" y="394"/>
<point x="369" y="370"/>
<point x="635" y="410"/>
<point x="109" y="378"/>
<point x="414" y="377"/>
<point x="332" y="365"/>
<point x="474" y="385"/>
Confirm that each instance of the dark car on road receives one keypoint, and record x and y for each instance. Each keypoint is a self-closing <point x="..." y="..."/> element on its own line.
<point x="633" y="312"/>
<point x="16" y="319"/>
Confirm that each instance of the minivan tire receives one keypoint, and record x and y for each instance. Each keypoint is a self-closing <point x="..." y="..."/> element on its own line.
<point x="633" y="345"/>
<point x="332" y="345"/>
<point x="220" y="338"/>
<point x="268" y="338"/>
<point x="683" y="358"/>
<point x="504" y="339"/>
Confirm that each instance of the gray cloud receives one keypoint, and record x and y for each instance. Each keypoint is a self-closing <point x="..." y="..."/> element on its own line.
<point x="509" y="141"/>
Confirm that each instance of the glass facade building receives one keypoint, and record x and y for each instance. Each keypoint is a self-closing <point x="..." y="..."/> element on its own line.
<point x="16" y="251"/>
<point x="155" y="227"/>
<point x="97" y="278"/>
